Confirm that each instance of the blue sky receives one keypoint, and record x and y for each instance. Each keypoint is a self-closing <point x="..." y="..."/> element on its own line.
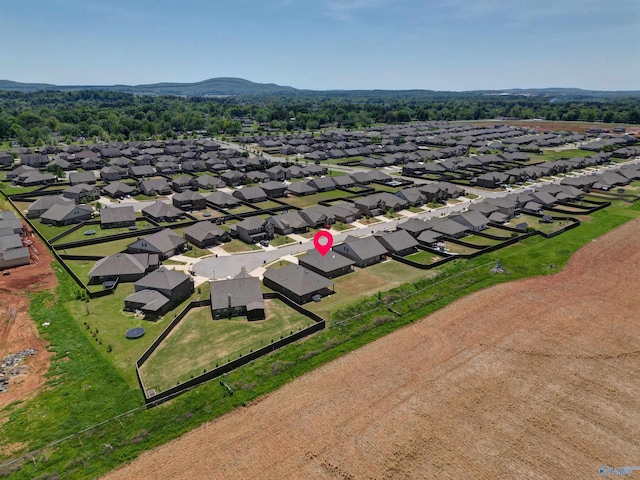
<point x="326" y="44"/>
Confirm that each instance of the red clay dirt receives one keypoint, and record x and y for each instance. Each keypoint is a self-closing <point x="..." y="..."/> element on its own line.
<point x="532" y="379"/>
<point x="17" y="329"/>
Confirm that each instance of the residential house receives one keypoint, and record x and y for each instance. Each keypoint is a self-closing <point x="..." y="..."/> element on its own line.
<point x="472" y="220"/>
<point x="13" y="253"/>
<point x="141" y="171"/>
<point x="208" y="182"/>
<point x="184" y="183"/>
<point x="273" y="189"/>
<point x="253" y="230"/>
<point x="297" y="283"/>
<point x="119" y="190"/>
<point x="239" y="296"/>
<point x="447" y="227"/>
<point x="33" y="178"/>
<point x="77" y="178"/>
<point x="251" y="194"/>
<point x="205" y="234"/>
<point x="160" y="211"/>
<point x="287" y="223"/>
<point x="232" y="178"/>
<point x="413" y="196"/>
<point x="189" y="201"/>
<point x="113" y="173"/>
<point x="35" y="160"/>
<point x="114" y="217"/>
<point x="82" y="193"/>
<point x="155" y="186"/>
<point x="331" y="265"/>
<point x="165" y="243"/>
<point x="318" y="216"/>
<point x="364" y="251"/>
<point x="123" y="267"/>
<point x="399" y="242"/>
<point x="300" y="189"/>
<point x="222" y="200"/>
<point x="42" y="204"/>
<point x="414" y="226"/>
<point x="322" y="184"/>
<point x="158" y="292"/>
<point x="60" y="215"/>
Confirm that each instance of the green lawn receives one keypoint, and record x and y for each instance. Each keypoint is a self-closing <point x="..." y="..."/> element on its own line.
<point x="199" y="343"/>
<point x="341" y="227"/>
<point x="424" y="257"/>
<point x="103" y="249"/>
<point x="280" y="240"/>
<point x="312" y="200"/>
<point x="106" y="315"/>
<point x="241" y="209"/>
<point x="365" y="282"/>
<point x="552" y="156"/>
<point x="196" y="252"/>
<point x="237" y="246"/>
<point x="482" y="241"/>
<point x="459" y="249"/>
<point x="78" y="234"/>
<point x="534" y="222"/>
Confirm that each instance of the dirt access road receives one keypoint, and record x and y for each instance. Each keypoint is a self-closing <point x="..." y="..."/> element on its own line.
<point x="532" y="379"/>
<point x="17" y="329"/>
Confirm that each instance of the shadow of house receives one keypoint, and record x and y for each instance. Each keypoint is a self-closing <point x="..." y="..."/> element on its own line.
<point x="363" y="251"/>
<point x="205" y="234"/>
<point x="239" y="296"/>
<point x="124" y="267"/>
<point x="114" y="217"/>
<point x="158" y="292"/>
<point x="331" y="265"/>
<point x="297" y="283"/>
<point x="165" y="243"/>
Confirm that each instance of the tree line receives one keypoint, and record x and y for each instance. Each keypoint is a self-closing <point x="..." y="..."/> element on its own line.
<point x="38" y="118"/>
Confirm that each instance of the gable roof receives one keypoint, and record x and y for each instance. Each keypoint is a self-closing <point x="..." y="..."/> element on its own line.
<point x="241" y="291"/>
<point x="327" y="263"/>
<point x="397" y="241"/>
<point x="204" y="230"/>
<point x="162" y="279"/>
<point x="297" y="279"/>
<point x="123" y="264"/>
<point x="222" y="199"/>
<point x="159" y="209"/>
<point x="117" y="214"/>
<point x="366" y="247"/>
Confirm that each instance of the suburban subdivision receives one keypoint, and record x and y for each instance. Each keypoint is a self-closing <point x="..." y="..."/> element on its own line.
<point x="187" y="267"/>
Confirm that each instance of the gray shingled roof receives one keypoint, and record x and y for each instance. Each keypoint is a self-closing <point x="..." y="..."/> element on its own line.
<point x="242" y="291"/>
<point x="162" y="278"/>
<point x="121" y="264"/>
<point x="331" y="261"/>
<point x="298" y="279"/>
<point x="152" y="299"/>
<point x="117" y="214"/>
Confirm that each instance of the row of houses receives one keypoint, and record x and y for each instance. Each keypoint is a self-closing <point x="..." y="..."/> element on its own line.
<point x="13" y="250"/>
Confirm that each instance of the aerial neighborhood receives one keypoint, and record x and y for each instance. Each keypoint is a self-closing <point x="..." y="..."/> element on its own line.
<point x="160" y="220"/>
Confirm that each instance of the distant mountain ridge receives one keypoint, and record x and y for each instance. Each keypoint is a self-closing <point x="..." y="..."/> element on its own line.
<point x="227" y="86"/>
<point x="213" y="86"/>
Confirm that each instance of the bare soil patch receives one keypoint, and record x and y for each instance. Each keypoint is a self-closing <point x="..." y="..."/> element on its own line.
<point x="532" y="379"/>
<point x="17" y="329"/>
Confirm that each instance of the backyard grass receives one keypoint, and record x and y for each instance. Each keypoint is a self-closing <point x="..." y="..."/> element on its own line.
<point x="78" y="234"/>
<point x="199" y="343"/>
<point x="237" y="246"/>
<point x="534" y="222"/>
<point x="365" y="282"/>
<point x="312" y="200"/>
<point x="101" y="249"/>
<point x="481" y="241"/>
<point x="459" y="249"/>
<point x="424" y="257"/>
<point x="241" y="209"/>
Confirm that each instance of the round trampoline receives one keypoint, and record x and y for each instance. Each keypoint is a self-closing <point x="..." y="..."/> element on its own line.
<point x="136" y="332"/>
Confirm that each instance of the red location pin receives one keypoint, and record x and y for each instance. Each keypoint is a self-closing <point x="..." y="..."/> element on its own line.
<point x="323" y="241"/>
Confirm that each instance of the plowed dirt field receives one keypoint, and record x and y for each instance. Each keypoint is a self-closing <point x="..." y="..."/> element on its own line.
<point x="538" y="378"/>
